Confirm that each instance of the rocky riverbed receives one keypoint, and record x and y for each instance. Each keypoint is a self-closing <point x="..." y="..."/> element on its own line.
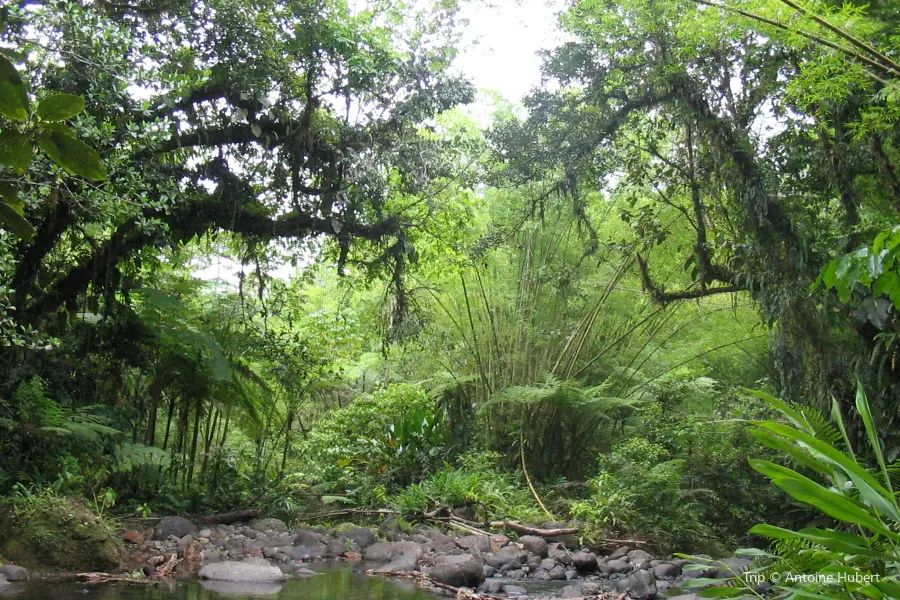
<point x="266" y="551"/>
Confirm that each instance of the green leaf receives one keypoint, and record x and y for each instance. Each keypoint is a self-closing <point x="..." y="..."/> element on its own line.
<point x="15" y="151"/>
<point x="16" y="223"/>
<point x="60" y="107"/>
<point x="862" y="405"/>
<point x="13" y="98"/>
<point x="721" y="592"/>
<point x="73" y="155"/>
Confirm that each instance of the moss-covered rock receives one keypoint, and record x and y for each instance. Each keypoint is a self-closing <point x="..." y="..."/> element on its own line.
<point x="51" y="534"/>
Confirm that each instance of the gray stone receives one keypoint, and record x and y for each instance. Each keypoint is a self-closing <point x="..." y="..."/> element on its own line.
<point x="404" y="562"/>
<point x="514" y="590"/>
<point x="388" y="551"/>
<point x="482" y="543"/>
<point x="488" y="571"/>
<point x="268" y="524"/>
<point x="558" y="573"/>
<point x="570" y="591"/>
<point x="615" y="566"/>
<point x="207" y="533"/>
<point x="585" y="562"/>
<point x="257" y="570"/>
<point x="535" y="545"/>
<point x="14" y="573"/>
<point x="335" y="548"/>
<point x="619" y="552"/>
<point x="363" y="537"/>
<point x="667" y="570"/>
<point x="460" y="570"/>
<point x="491" y="587"/>
<point x="508" y="556"/>
<point x="516" y="574"/>
<point x="640" y="584"/>
<point x="548" y="563"/>
<point x="728" y="567"/>
<point x="636" y="557"/>
<point x="591" y="588"/>
<point x="3" y="581"/>
<point x="571" y="574"/>
<point x="542" y="574"/>
<point x="177" y="526"/>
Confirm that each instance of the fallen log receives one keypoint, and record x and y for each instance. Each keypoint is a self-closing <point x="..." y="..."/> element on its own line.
<point x="232" y="517"/>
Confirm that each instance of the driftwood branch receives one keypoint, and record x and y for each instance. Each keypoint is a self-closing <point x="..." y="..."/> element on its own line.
<point x="163" y="573"/>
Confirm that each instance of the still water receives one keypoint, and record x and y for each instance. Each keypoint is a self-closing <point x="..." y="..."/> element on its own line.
<point x="339" y="584"/>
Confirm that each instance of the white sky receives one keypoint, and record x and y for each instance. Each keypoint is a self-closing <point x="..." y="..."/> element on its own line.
<point x="500" y="42"/>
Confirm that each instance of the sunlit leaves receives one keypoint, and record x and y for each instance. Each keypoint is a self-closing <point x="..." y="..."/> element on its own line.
<point x="15" y="151"/>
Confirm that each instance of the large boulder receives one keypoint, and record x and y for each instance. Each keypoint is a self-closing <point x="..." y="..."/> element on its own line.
<point x="458" y="570"/>
<point x="585" y="562"/>
<point x="250" y="570"/>
<point x="177" y="526"/>
<point x="14" y="573"/>
<point x="388" y="551"/>
<point x="536" y="545"/>
<point x="482" y="543"/>
<point x="363" y="537"/>
<point x="63" y="536"/>
<point x="640" y="584"/>
<point x="667" y="570"/>
<point x="404" y="562"/>
<point x="508" y="556"/>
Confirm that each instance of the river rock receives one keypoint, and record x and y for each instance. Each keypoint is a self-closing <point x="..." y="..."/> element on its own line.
<point x="637" y="557"/>
<point x="729" y="568"/>
<point x="14" y="573"/>
<point x="363" y="537"/>
<point x="3" y="581"/>
<point x="640" y="584"/>
<point x="615" y="566"/>
<point x="570" y="591"/>
<point x="388" y="551"/>
<point x="177" y="526"/>
<point x="514" y="590"/>
<point x="586" y="562"/>
<point x="666" y="570"/>
<point x="250" y="570"/>
<point x="535" y="545"/>
<point x="268" y="524"/>
<point x="482" y="543"/>
<point x="491" y="587"/>
<point x="507" y="557"/>
<point x="619" y="552"/>
<point x="558" y="573"/>
<point x="458" y="570"/>
<point x="404" y="562"/>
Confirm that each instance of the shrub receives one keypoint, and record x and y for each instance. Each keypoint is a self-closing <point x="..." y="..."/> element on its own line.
<point x="856" y="553"/>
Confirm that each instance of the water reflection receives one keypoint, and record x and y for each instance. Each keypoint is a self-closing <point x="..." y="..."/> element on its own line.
<point x="342" y="584"/>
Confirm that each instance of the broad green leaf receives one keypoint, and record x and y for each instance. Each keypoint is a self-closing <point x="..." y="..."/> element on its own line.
<point x="801" y="456"/>
<point x="783" y="407"/>
<point x="839" y="421"/>
<point x="13" y="98"/>
<point x="722" y="592"/>
<point x="60" y="107"/>
<point x="16" y="223"/>
<point x="73" y="155"/>
<point x="15" y="151"/>
<point x="862" y="406"/>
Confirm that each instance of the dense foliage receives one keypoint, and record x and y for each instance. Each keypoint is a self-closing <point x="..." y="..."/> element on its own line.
<point x="264" y="255"/>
